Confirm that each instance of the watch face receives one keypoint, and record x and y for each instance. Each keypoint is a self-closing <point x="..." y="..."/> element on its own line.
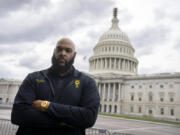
<point x="44" y="103"/>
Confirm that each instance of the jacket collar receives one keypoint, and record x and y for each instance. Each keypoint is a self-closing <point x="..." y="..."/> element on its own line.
<point x="76" y="73"/>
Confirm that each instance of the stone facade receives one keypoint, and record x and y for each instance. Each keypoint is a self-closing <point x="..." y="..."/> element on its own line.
<point x="121" y="89"/>
<point x="155" y="95"/>
<point x="8" y="90"/>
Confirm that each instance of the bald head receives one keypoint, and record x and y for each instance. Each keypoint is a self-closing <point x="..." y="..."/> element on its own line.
<point x="64" y="51"/>
<point x="66" y="41"/>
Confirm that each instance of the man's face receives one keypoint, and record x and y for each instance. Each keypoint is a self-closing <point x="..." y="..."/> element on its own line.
<point x="64" y="52"/>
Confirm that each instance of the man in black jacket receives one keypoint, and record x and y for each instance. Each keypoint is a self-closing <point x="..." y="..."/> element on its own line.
<point x="56" y="101"/>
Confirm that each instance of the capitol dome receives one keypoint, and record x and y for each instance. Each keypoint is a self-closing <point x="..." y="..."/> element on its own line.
<point x="113" y="53"/>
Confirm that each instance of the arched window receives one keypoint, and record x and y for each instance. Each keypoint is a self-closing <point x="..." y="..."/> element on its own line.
<point x="139" y="109"/>
<point x="115" y="109"/>
<point x="150" y="96"/>
<point x="161" y="86"/>
<point x="132" y="97"/>
<point x="109" y="108"/>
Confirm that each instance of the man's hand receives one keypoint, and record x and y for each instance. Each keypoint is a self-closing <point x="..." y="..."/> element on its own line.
<point x="37" y="105"/>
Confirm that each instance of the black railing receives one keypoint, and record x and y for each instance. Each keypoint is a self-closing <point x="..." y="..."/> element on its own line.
<point x="7" y="128"/>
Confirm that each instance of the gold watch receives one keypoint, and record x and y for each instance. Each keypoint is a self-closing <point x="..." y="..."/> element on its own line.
<point x="44" y="105"/>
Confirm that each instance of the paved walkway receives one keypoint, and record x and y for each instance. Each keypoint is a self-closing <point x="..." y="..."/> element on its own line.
<point x="135" y="127"/>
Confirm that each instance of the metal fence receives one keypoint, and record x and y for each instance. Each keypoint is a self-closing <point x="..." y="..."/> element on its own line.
<point x="6" y="128"/>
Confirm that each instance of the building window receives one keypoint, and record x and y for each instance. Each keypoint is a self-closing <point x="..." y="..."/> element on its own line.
<point x="150" y="111"/>
<point x="132" y="109"/>
<point x="171" y="96"/>
<point x="162" y="111"/>
<point x="139" y="109"/>
<point x="109" y="108"/>
<point x="171" y="99"/>
<point x="161" y="86"/>
<point x="161" y="99"/>
<point x="115" y="109"/>
<point x="172" y="112"/>
<point x="140" y="98"/>
<point x="150" y="97"/>
<point x="132" y="97"/>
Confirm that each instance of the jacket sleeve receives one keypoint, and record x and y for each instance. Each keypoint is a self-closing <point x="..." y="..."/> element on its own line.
<point x="23" y="114"/>
<point x="82" y="116"/>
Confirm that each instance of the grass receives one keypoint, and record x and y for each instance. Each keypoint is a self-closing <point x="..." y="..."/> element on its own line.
<point x="150" y="119"/>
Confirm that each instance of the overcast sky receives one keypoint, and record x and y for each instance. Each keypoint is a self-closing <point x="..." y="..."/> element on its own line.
<point x="29" y="30"/>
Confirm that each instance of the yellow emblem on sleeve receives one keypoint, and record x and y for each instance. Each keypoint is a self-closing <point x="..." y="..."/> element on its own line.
<point x="77" y="82"/>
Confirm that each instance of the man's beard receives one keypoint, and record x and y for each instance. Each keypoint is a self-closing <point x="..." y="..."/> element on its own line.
<point x="56" y="68"/>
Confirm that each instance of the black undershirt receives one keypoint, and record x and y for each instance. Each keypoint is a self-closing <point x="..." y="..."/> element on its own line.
<point x="60" y="82"/>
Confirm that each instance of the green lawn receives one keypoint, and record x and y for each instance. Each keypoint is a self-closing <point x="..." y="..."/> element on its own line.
<point x="141" y="118"/>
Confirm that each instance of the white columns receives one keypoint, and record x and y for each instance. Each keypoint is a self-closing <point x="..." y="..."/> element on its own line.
<point x="114" y="91"/>
<point x="119" y="92"/>
<point x="107" y="63"/>
<point x="95" y="64"/>
<point x="98" y="63"/>
<point x="102" y="63"/>
<point x="109" y="91"/>
<point x="110" y="64"/>
<point x="92" y="66"/>
<point x="102" y="107"/>
<point x="133" y="66"/>
<point x="99" y="89"/>
<point x="119" y="64"/>
<point x="115" y="64"/>
<point x="127" y="65"/>
<point x="123" y="64"/>
<point x="104" y="91"/>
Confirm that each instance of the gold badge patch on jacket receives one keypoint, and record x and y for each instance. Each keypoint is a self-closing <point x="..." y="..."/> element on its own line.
<point x="40" y="81"/>
<point x="77" y="83"/>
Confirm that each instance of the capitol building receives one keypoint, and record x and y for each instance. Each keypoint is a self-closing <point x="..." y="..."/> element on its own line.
<point x="122" y="91"/>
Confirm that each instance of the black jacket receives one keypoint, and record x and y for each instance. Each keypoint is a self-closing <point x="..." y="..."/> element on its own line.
<point x="77" y="105"/>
